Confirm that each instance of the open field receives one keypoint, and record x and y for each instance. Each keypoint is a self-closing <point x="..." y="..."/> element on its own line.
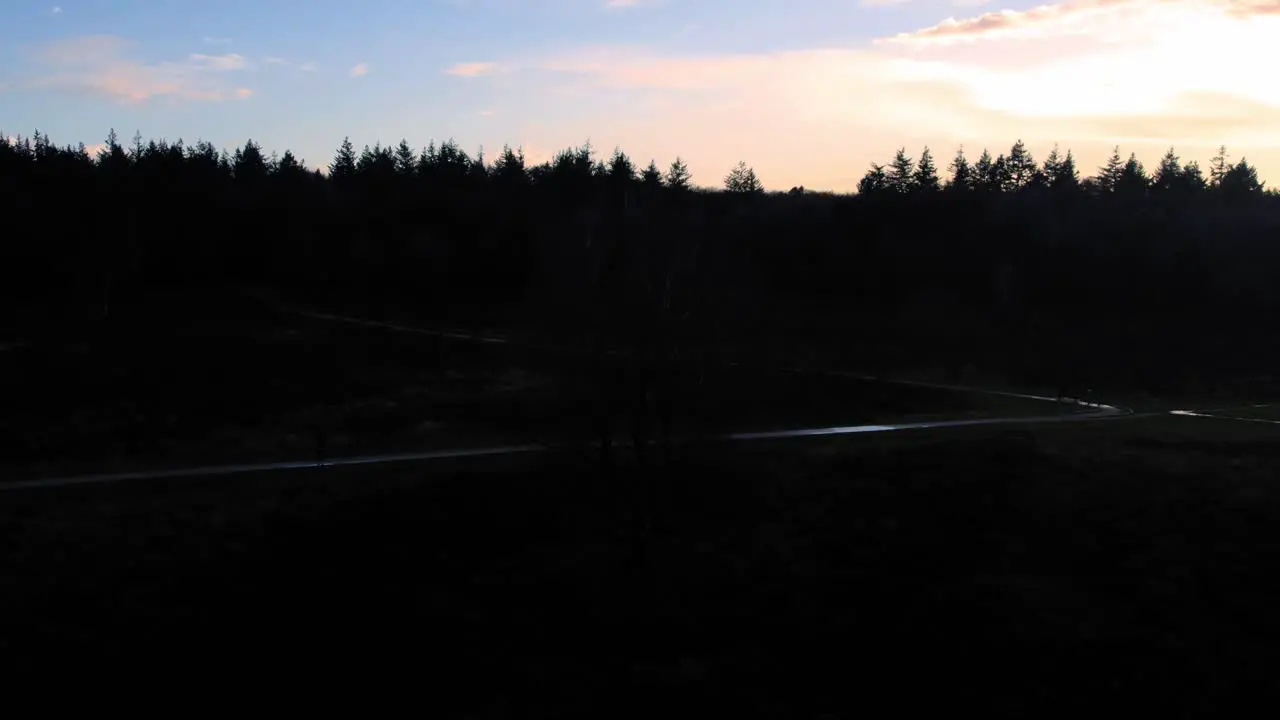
<point x="1124" y="564"/>
<point x="236" y="382"/>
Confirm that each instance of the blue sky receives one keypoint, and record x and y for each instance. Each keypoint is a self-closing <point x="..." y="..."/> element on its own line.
<point x="808" y="92"/>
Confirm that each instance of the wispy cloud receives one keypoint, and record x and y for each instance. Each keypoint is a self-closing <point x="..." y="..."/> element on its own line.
<point x="273" y="60"/>
<point x="307" y="67"/>
<point x="230" y="61"/>
<point x="99" y="65"/>
<point x="358" y="70"/>
<point x="627" y="4"/>
<point x="471" y="69"/>
<point x="55" y="10"/>
<point x="1073" y="15"/>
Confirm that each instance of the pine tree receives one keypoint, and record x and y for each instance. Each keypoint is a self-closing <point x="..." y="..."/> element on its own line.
<point x="1193" y="178"/>
<point x="998" y="178"/>
<point x="248" y="164"/>
<point x="1109" y="174"/>
<point x="1218" y="167"/>
<point x="1241" y="182"/>
<point x="925" y="178"/>
<point x="1066" y="178"/>
<point x="343" y="167"/>
<point x="509" y="168"/>
<point x="678" y="176"/>
<point x="135" y="151"/>
<point x="368" y="159"/>
<point x="876" y="181"/>
<point x="41" y="146"/>
<point x="478" y="170"/>
<point x="983" y="171"/>
<point x="108" y="147"/>
<point x="427" y="159"/>
<point x="289" y="167"/>
<point x="901" y="172"/>
<point x="112" y="157"/>
<point x="1019" y="167"/>
<point x="406" y="160"/>
<point x="452" y="163"/>
<point x="652" y="176"/>
<point x="1052" y="165"/>
<point x="1133" y="181"/>
<point x="621" y="169"/>
<point x="1168" y="174"/>
<point x="961" y="173"/>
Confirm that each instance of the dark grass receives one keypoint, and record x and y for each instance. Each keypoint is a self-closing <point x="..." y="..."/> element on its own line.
<point x="203" y="380"/>
<point x="1017" y="573"/>
<point x="1265" y="412"/>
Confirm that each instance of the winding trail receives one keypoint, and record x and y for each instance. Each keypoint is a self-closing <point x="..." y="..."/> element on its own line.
<point x="1092" y="412"/>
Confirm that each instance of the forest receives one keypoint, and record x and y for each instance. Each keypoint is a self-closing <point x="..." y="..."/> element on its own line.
<point x="1130" y="278"/>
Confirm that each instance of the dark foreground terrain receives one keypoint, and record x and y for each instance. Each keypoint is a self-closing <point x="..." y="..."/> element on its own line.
<point x="1122" y="566"/>
<point x="225" y="378"/>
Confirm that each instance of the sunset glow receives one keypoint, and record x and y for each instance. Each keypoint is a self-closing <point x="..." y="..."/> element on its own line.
<point x="812" y="104"/>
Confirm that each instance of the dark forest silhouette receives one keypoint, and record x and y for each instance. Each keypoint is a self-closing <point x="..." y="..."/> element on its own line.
<point x="1135" y="278"/>
<point x="1005" y="569"/>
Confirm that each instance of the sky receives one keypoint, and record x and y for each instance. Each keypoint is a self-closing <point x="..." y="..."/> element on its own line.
<point x="807" y="92"/>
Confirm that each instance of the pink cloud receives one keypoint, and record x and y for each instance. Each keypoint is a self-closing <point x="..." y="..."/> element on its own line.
<point x="471" y="69"/>
<point x="100" y="65"/>
<point x="1253" y="8"/>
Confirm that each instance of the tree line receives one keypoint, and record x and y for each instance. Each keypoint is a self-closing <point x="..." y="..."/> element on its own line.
<point x="1017" y="171"/>
<point x="1007" y="263"/>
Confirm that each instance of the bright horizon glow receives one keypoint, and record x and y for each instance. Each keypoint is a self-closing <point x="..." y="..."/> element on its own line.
<point x="806" y="100"/>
